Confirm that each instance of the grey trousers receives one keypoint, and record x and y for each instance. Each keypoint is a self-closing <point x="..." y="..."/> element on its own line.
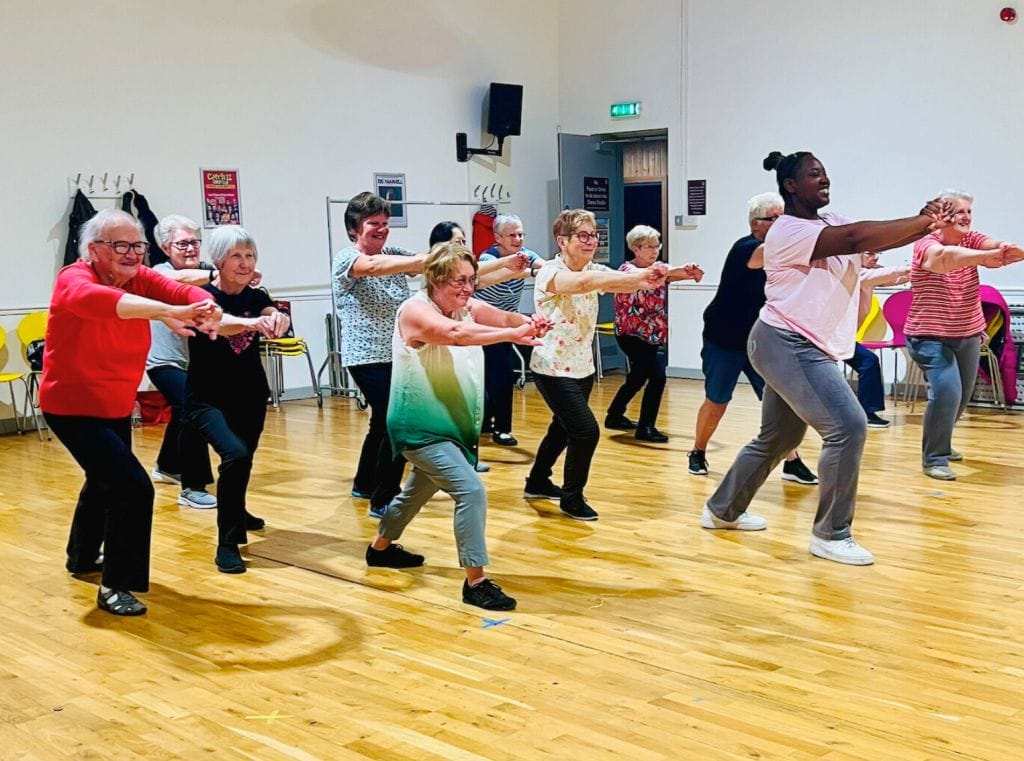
<point x="803" y="386"/>
<point x="443" y="466"/>
<point x="950" y="366"/>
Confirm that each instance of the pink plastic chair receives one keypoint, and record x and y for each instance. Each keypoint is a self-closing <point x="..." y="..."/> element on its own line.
<point x="895" y="310"/>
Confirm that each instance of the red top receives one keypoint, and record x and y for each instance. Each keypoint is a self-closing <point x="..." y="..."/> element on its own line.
<point x="483" y="232"/>
<point x="945" y="305"/>
<point x="93" y="360"/>
<point x="642" y="314"/>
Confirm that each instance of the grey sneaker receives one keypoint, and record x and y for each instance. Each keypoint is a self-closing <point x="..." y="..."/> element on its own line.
<point x="165" y="478"/>
<point x="954" y="456"/>
<point x="198" y="499"/>
<point x="940" y="472"/>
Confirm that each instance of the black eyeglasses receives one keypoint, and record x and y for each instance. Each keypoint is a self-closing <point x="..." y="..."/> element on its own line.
<point x="767" y="219"/>
<point x="185" y="245"/>
<point x="122" y="247"/>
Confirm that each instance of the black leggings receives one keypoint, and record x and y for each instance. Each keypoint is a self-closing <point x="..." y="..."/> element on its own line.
<point x="234" y="433"/>
<point x="646" y="365"/>
<point x="573" y="430"/>
<point x="115" y="506"/>
<point x="379" y="472"/>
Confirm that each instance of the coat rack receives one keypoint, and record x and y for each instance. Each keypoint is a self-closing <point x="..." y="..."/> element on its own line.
<point x="107" y="186"/>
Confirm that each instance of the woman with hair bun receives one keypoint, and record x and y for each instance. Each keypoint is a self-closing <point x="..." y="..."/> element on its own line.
<point x="809" y="320"/>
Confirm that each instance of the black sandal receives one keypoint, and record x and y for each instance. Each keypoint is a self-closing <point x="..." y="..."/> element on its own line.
<point x="119" y="603"/>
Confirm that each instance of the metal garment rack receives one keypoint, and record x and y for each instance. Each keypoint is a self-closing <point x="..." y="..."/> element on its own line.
<point x="340" y="383"/>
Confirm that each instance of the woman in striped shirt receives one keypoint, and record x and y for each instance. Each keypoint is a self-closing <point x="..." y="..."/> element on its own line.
<point x="945" y="327"/>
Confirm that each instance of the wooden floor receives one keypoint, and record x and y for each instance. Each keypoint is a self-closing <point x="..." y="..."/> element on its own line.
<point x="640" y="636"/>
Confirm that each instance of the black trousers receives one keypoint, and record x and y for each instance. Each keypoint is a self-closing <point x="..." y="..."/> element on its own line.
<point x="498" y="383"/>
<point x="379" y="472"/>
<point x="646" y="366"/>
<point x="183" y="451"/>
<point x="115" y="506"/>
<point x="573" y="430"/>
<point x="233" y="430"/>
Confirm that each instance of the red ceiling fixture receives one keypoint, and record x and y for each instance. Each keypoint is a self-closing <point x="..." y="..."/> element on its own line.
<point x="1008" y="14"/>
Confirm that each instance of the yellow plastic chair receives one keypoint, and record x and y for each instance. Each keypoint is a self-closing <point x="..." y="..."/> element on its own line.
<point x="33" y="328"/>
<point x="275" y="350"/>
<point x="10" y="379"/>
<point x="601" y="329"/>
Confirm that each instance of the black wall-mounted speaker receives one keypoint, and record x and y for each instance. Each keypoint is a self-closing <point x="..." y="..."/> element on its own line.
<point x="504" y="107"/>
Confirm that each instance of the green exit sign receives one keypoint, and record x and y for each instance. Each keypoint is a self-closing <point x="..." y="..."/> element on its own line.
<point x="625" y="110"/>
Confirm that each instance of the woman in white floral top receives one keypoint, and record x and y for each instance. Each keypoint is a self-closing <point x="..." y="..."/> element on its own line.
<point x="566" y="292"/>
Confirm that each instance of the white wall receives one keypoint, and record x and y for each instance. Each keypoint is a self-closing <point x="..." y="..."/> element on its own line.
<point x="899" y="100"/>
<point x="306" y="98"/>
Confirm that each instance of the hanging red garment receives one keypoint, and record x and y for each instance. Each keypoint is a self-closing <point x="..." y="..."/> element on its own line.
<point x="483" y="230"/>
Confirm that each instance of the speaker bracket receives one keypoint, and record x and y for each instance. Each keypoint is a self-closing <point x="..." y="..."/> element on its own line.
<point x="463" y="151"/>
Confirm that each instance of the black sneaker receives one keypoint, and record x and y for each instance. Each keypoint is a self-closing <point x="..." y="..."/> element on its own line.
<point x="487" y="595"/>
<point x="619" y="423"/>
<point x="392" y="556"/>
<point x="698" y="462"/>
<point x="252" y="523"/>
<point x="89" y="567"/>
<point x="650" y="433"/>
<point x="504" y="439"/>
<point x="578" y="511"/>
<point x="119" y="603"/>
<point x="798" y="473"/>
<point x="228" y="559"/>
<point x="877" y="422"/>
<point x="541" y="490"/>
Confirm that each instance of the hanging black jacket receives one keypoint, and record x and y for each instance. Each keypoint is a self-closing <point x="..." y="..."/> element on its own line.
<point x="81" y="212"/>
<point x="149" y="222"/>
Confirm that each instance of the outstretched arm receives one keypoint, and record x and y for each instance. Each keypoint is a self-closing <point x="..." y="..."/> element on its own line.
<point x="858" y="237"/>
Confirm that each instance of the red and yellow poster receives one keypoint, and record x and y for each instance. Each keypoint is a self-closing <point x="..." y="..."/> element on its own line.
<point x="220" y="197"/>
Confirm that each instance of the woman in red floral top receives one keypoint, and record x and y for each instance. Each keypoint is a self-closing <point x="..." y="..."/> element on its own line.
<point x="641" y="329"/>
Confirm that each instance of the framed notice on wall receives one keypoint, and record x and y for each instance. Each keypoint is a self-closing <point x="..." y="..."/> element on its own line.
<point x="221" y="205"/>
<point x="391" y="187"/>
<point x="603" y="253"/>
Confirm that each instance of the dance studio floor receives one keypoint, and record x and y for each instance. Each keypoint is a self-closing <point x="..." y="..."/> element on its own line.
<point x="640" y="636"/>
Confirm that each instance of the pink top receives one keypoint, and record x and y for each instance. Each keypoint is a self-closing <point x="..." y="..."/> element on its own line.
<point x="642" y="314"/>
<point x="816" y="299"/>
<point x="945" y="305"/>
<point x="93" y="360"/>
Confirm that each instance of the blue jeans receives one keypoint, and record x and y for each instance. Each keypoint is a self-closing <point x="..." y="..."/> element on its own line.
<point x="803" y="386"/>
<point x="443" y="466"/>
<point x="869" y="379"/>
<point x="950" y="366"/>
<point x="183" y="452"/>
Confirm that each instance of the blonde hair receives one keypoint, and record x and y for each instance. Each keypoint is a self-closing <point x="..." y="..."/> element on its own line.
<point x="443" y="260"/>
<point x="640" y="233"/>
<point x="571" y="220"/>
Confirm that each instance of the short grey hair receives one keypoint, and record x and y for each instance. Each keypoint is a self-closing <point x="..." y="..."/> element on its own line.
<point x="963" y="195"/>
<point x="95" y="229"/>
<point x="762" y="203"/>
<point x="641" y="233"/>
<point x="504" y="220"/>
<point x="225" y="238"/>
<point x="169" y="225"/>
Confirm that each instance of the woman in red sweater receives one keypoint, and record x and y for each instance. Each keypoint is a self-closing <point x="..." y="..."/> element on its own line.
<point x="97" y="339"/>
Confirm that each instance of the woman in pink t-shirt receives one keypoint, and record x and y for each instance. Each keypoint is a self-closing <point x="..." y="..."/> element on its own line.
<point x="945" y="326"/>
<point x="812" y="263"/>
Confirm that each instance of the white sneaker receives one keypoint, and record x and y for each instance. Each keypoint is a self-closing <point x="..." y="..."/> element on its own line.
<point x="841" y="551"/>
<point x="746" y="521"/>
<point x="200" y="500"/>
<point x="165" y="478"/>
<point x="940" y="472"/>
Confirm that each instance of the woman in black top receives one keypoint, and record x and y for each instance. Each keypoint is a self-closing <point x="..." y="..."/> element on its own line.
<point x="226" y="391"/>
